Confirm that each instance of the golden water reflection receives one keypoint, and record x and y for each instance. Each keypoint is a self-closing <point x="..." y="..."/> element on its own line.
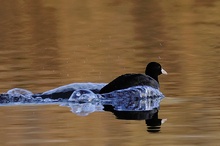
<point x="46" y="44"/>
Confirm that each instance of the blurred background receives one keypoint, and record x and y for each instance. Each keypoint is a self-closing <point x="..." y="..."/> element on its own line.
<point x="49" y="43"/>
<point x="45" y="43"/>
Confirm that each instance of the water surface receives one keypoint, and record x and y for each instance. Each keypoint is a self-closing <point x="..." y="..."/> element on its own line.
<point x="46" y="44"/>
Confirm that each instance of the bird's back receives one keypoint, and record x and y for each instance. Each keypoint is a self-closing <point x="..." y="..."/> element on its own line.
<point x="129" y="80"/>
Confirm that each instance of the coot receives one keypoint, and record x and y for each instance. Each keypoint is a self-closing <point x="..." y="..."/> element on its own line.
<point x="150" y="78"/>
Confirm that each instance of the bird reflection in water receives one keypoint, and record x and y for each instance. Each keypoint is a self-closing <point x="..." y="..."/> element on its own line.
<point x="152" y="121"/>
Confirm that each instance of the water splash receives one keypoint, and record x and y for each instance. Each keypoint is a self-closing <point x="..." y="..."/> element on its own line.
<point x="85" y="98"/>
<point x="84" y="109"/>
<point x="140" y="98"/>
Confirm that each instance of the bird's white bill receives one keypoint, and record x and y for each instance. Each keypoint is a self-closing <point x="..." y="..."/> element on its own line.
<point x="163" y="71"/>
<point x="163" y="121"/>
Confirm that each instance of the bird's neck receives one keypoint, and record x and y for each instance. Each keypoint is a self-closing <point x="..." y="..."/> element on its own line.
<point x="155" y="77"/>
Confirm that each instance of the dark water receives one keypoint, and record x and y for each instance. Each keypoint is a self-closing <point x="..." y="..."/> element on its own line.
<point x="46" y="44"/>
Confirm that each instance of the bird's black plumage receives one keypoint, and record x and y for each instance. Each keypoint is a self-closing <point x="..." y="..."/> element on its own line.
<point x="150" y="78"/>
